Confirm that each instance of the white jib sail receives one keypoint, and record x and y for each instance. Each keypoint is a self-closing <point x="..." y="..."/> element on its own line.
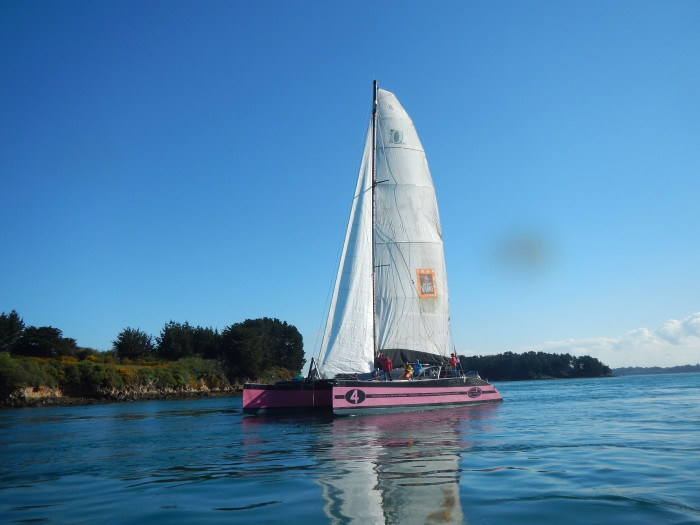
<point x="347" y="345"/>
<point x="412" y="310"/>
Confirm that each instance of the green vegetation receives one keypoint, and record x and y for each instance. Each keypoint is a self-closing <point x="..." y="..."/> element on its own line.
<point x="640" y="370"/>
<point x="534" y="365"/>
<point x="91" y="378"/>
<point x="182" y="358"/>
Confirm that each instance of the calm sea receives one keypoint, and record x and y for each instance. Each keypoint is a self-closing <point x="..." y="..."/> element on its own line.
<point x="614" y="450"/>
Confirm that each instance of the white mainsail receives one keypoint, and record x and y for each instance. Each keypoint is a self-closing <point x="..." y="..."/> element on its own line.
<point x="410" y="290"/>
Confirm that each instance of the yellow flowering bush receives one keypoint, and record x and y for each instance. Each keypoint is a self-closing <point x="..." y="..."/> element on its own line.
<point x="128" y="375"/>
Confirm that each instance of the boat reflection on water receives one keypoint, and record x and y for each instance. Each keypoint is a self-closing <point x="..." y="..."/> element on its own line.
<point x="399" y="468"/>
<point x="396" y="468"/>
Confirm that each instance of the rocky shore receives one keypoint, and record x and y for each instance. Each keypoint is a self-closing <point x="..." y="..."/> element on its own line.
<point x="43" y="396"/>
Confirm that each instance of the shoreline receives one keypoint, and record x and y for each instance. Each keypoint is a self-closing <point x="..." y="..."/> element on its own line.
<point x="44" y="397"/>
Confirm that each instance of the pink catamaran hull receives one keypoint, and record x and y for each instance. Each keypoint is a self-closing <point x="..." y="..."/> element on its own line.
<point x="345" y="397"/>
<point x="362" y="397"/>
<point x="288" y="395"/>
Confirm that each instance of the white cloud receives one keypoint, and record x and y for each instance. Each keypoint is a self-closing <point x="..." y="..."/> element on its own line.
<point x="674" y="343"/>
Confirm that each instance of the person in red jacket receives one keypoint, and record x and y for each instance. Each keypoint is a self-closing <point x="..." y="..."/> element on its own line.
<point x="387" y="367"/>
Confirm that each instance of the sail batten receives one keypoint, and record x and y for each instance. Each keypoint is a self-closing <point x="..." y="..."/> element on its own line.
<point x="409" y="300"/>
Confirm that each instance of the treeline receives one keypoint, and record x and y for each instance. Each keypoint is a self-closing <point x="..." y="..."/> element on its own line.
<point x="639" y="370"/>
<point x="245" y="349"/>
<point x="182" y="356"/>
<point x="534" y="365"/>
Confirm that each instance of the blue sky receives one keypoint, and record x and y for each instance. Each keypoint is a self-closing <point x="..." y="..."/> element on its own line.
<point x="195" y="161"/>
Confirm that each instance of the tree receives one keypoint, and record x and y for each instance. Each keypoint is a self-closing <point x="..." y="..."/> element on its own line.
<point x="45" y="341"/>
<point x="132" y="343"/>
<point x="175" y="341"/>
<point x="182" y="340"/>
<point x="11" y="328"/>
<point x="243" y="350"/>
<point x="283" y="344"/>
<point x="586" y="366"/>
<point x="206" y="342"/>
<point x="254" y="345"/>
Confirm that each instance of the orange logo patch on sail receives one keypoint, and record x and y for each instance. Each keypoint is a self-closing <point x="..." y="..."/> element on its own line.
<point x="426" y="283"/>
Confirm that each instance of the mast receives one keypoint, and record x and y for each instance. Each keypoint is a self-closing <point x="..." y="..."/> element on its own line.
<point x="374" y="184"/>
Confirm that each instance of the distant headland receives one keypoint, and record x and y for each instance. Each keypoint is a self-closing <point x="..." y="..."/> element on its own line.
<point x="638" y="370"/>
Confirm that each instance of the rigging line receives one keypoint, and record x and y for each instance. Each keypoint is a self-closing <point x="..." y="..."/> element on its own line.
<point x="409" y="242"/>
<point x="318" y="343"/>
<point x="404" y="147"/>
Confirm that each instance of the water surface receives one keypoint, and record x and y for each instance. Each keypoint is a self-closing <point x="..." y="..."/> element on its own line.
<point x="612" y="450"/>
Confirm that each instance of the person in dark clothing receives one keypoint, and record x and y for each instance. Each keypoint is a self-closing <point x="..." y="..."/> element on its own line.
<point x="377" y="365"/>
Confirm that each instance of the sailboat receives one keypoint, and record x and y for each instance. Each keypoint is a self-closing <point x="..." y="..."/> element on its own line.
<point x="390" y="298"/>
